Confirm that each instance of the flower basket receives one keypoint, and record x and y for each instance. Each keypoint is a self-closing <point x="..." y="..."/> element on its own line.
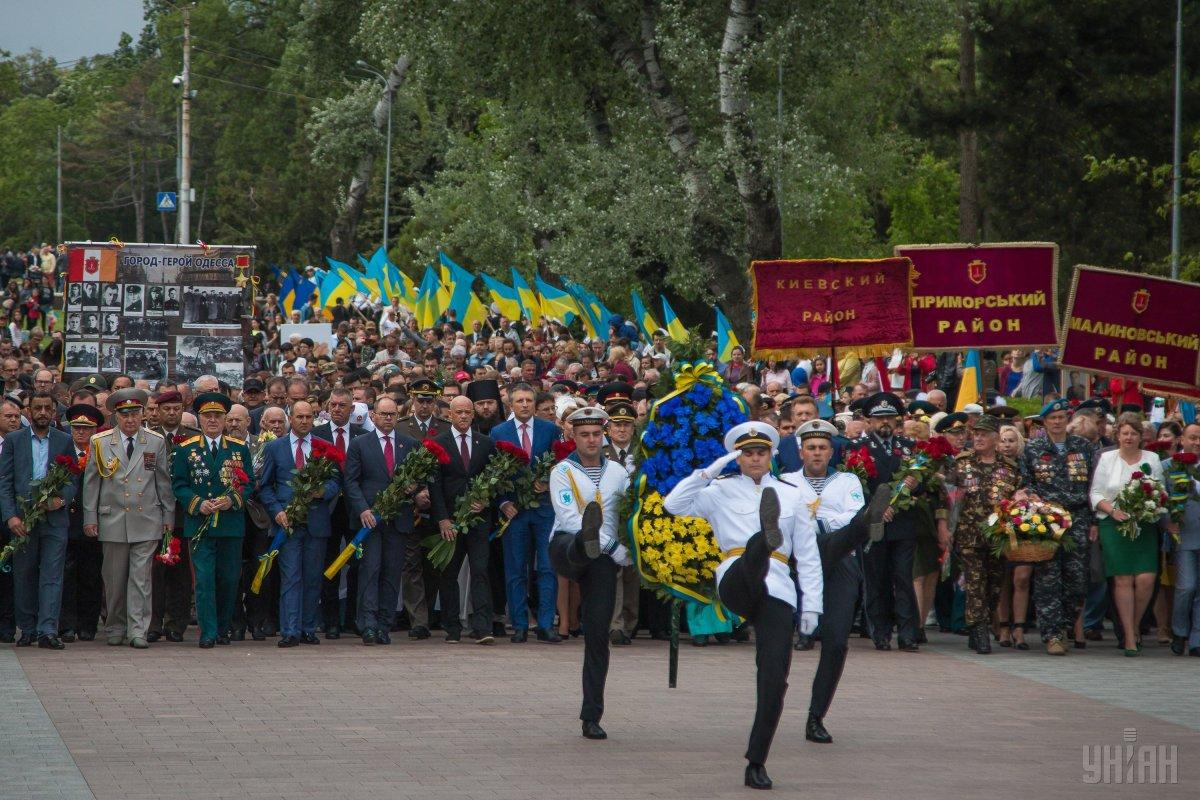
<point x="1029" y="551"/>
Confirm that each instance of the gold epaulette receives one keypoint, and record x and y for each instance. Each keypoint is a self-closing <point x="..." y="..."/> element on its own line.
<point x="192" y="440"/>
<point x="154" y="433"/>
<point x="102" y="434"/>
<point x="235" y="441"/>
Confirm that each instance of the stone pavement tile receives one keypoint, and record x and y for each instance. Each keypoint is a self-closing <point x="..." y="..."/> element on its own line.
<point x="430" y="720"/>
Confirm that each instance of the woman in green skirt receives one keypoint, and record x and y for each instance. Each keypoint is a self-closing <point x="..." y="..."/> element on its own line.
<point x="1131" y="562"/>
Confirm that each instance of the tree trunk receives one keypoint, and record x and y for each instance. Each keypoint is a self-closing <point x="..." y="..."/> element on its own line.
<point x="342" y="238"/>
<point x="760" y="207"/>
<point x="137" y="196"/>
<point x="968" y="140"/>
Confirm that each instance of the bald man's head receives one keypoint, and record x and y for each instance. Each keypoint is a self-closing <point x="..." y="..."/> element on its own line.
<point x="462" y="413"/>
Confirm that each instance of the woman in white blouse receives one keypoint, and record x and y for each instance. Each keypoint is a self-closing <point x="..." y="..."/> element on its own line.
<point x="1131" y="563"/>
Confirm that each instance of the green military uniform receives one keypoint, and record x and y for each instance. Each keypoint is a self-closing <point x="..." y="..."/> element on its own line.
<point x="983" y="486"/>
<point x="203" y="470"/>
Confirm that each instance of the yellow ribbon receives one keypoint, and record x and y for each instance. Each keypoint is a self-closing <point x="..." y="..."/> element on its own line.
<point x="737" y="551"/>
<point x="689" y="375"/>
<point x="116" y="242"/>
<point x="264" y="567"/>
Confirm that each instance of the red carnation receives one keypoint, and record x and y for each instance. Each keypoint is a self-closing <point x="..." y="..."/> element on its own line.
<point x="1147" y="488"/>
<point x="563" y="449"/>
<point x="936" y="447"/>
<point x="438" y="451"/>
<point x="514" y="451"/>
<point x="1186" y="459"/>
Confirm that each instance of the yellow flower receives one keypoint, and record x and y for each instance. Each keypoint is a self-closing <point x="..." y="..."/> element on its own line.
<point x="1036" y="518"/>
<point x="1025" y="527"/>
<point x="1041" y="528"/>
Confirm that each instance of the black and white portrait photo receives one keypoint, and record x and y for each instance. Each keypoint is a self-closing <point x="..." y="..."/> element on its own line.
<point x="135" y="302"/>
<point x="171" y="303"/>
<point x="90" y="296"/>
<point x="74" y="324"/>
<point x="82" y="356"/>
<point x="110" y="358"/>
<point x="74" y="296"/>
<point x="110" y="297"/>
<point x="146" y="330"/>
<point x="212" y="307"/>
<point x="146" y="363"/>
<point x="91" y="324"/>
<point x="154" y="300"/>
<point x="110" y="325"/>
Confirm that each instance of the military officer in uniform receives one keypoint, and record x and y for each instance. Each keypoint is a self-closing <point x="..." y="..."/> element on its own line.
<point x="586" y="489"/>
<point x="82" y="590"/>
<point x="831" y="503"/>
<point x="1058" y="468"/>
<point x="212" y="475"/>
<point x="890" y="597"/>
<point x="171" y="601"/>
<point x="621" y="422"/>
<point x="985" y="478"/>
<point x="129" y="505"/>
<point x="419" y="580"/>
<point x="754" y="517"/>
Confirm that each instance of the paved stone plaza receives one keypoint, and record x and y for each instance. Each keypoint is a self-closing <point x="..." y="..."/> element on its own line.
<point x="431" y="721"/>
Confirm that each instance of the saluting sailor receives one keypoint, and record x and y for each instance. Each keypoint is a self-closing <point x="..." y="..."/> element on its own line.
<point x="586" y="489"/>
<point x="754" y="516"/>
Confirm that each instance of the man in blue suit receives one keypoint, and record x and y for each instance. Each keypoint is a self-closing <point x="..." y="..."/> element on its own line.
<point x="370" y="463"/>
<point x="301" y="559"/>
<point x="803" y="409"/>
<point x="529" y="532"/>
<point x="27" y="457"/>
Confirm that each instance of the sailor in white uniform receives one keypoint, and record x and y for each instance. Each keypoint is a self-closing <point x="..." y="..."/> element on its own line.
<point x="754" y="516"/>
<point x="586" y="488"/>
<point x="833" y="508"/>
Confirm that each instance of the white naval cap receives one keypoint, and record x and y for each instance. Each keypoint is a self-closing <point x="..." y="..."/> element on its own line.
<point x="972" y="408"/>
<point x="816" y="429"/>
<point x="588" y="415"/>
<point x="752" y="434"/>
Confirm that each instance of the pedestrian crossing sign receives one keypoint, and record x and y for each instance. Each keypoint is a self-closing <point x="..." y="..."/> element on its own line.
<point x="166" y="201"/>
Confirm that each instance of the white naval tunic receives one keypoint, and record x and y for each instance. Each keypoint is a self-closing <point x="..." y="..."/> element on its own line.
<point x="730" y="505"/>
<point x="840" y="499"/>
<point x="568" y="512"/>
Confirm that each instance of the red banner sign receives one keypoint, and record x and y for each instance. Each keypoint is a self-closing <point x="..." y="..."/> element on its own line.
<point x="806" y="307"/>
<point x="993" y="296"/>
<point x="1134" y="326"/>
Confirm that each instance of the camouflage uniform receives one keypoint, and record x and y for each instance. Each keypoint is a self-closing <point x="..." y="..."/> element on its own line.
<point x="983" y="486"/>
<point x="1062" y="477"/>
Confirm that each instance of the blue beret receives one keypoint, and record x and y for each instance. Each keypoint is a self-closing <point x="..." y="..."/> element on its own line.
<point x="1054" y="405"/>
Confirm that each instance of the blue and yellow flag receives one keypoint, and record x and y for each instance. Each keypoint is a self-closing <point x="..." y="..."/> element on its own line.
<point x="504" y="296"/>
<point x="674" y="327"/>
<point x="970" y="389"/>
<point x="466" y="304"/>
<point x="726" y="338"/>
<point x="287" y="293"/>
<point x="589" y="314"/>
<point x="555" y="302"/>
<point x="642" y="317"/>
<point x="333" y="286"/>
<point x="353" y="277"/>
<point x="529" y="303"/>
<point x="428" y="300"/>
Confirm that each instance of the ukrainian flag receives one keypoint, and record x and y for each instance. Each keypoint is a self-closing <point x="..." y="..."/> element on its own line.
<point x="428" y="309"/>
<point x="643" y="318"/>
<point x="556" y="302"/>
<point x="970" y="390"/>
<point x="333" y="286"/>
<point x="601" y="312"/>
<point x="353" y="277"/>
<point x="529" y="302"/>
<point x="463" y="300"/>
<point x="726" y="338"/>
<point x="588" y="313"/>
<point x="504" y="296"/>
<point x="674" y="327"/>
<point x="304" y="289"/>
<point x="287" y="293"/>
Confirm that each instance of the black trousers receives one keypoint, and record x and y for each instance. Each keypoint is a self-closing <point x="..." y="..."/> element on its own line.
<point x="256" y="610"/>
<point x="743" y="590"/>
<point x="83" y="590"/>
<point x="8" y="614"/>
<point x="171" y="592"/>
<point x="597" y="596"/>
<point x="473" y="546"/>
<point x="331" y="606"/>
<point x="496" y="578"/>
<point x="891" y="598"/>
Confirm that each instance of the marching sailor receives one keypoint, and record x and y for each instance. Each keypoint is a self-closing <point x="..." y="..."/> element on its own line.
<point x="586" y="488"/>
<point x="755" y="517"/>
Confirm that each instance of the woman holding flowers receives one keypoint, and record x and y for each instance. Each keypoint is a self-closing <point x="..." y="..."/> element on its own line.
<point x="1128" y="497"/>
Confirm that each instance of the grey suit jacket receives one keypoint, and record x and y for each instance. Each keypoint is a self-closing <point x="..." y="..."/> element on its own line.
<point x="16" y="473"/>
<point x="131" y="499"/>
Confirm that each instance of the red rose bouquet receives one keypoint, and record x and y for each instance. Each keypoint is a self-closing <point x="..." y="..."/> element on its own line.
<point x="1144" y="499"/>
<point x="410" y="476"/>
<point x="62" y="471"/>
<point x="925" y="465"/>
<point x="308" y="482"/>
<point x="861" y="464"/>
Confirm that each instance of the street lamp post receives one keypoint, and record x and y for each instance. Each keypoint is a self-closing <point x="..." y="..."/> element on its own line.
<point x="387" y="166"/>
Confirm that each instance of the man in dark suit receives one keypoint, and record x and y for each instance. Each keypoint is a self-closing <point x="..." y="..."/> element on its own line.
<point x="890" y="598"/>
<point x="339" y="431"/>
<point x="489" y="412"/>
<point x="418" y="580"/>
<point x="27" y="458"/>
<point x="302" y="557"/>
<point x="469" y="452"/>
<point x="529" y="532"/>
<point x="369" y="467"/>
<point x="10" y="420"/>
<point x="83" y="590"/>
<point x="171" y="593"/>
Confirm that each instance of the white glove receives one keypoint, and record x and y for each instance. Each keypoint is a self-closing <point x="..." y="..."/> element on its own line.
<point x="808" y="622"/>
<point x="717" y="467"/>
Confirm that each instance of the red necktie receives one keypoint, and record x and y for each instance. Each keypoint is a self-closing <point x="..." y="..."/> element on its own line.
<point x="300" y="454"/>
<point x="526" y="445"/>
<point x="389" y="457"/>
<point x="341" y="441"/>
<point x="463" y="452"/>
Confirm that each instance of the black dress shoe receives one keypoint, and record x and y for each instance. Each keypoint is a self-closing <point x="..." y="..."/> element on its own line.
<point x="223" y="639"/>
<point x="768" y="518"/>
<point x="921" y="637"/>
<point x="309" y="638"/>
<point x="814" y="731"/>
<point x="592" y="730"/>
<point x="7" y="638"/>
<point x="172" y="636"/>
<point x="483" y="637"/>
<point x="153" y="636"/>
<point x="26" y="640"/>
<point x="383" y="637"/>
<point x="51" y="643"/>
<point x="206" y="644"/>
<point x="335" y="633"/>
<point x="419" y="632"/>
<point x="803" y="642"/>
<point x="239" y="635"/>
<point x="549" y="637"/>
<point x="368" y="636"/>
<point x="577" y="632"/>
<point x="1178" y="644"/>
<point x="288" y="641"/>
<point x="1195" y="651"/>
<point x="87" y="636"/>
<point x="909" y="646"/>
<point x="520" y="636"/>
<point x="498" y="630"/>
<point x="67" y="636"/>
<point x="454" y="638"/>
<point x="757" y="777"/>
<point x="700" y="640"/>
<point x="257" y="634"/>
<point x="883" y="644"/>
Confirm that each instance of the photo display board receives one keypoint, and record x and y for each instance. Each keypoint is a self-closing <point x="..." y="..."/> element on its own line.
<point x="156" y="311"/>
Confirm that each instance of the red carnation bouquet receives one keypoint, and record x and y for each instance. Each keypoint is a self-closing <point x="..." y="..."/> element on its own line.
<point x="562" y="449"/>
<point x="861" y="463"/>
<point x="1179" y="479"/>
<point x="234" y="479"/>
<point x="925" y="464"/>
<point x="499" y="476"/>
<point x="308" y="482"/>
<point x="1144" y="499"/>
<point x="64" y="470"/>
<point x="410" y="476"/>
